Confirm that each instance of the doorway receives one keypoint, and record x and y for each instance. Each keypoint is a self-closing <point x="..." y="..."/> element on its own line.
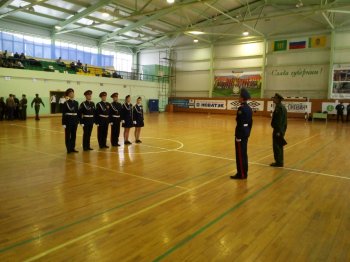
<point x="57" y="99"/>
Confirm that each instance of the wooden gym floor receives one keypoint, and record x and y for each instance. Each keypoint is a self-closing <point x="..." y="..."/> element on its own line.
<point x="170" y="198"/>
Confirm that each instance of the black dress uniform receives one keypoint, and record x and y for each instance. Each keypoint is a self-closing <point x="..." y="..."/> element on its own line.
<point x="70" y="121"/>
<point x="23" y="108"/>
<point x="340" y="111"/>
<point x="115" y="119"/>
<point x="243" y="128"/>
<point x="102" y="120"/>
<point x="279" y="125"/>
<point x="87" y="120"/>
<point x="127" y="115"/>
<point x="137" y="115"/>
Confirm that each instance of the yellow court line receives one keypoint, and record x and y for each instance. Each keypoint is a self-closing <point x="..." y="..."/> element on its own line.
<point x="104" y="168"/>
<point x="289" y="147"/>
<point x="74" y="240"/>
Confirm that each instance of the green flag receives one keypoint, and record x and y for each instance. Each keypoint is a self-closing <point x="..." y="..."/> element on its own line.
<point x="280" y="45"/>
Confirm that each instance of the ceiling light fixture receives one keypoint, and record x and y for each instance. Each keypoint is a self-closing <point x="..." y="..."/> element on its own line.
<point x="57" y="27"/>
<point x="170" y="1"/>
<point x="245" y="33"/>
<point x="195" y="32"/>
<point x="195" y="40"/>
<point x="299" y="4"/>
<point x="105" y="14"/>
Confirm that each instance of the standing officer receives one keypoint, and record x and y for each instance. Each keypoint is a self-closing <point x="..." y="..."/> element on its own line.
<point x="348" y="112"/>
<point x="244" y="125"/>
<point x="340" y="111"/>
<point x="37" y="101"/>
<point x="127" y="121"/>
<point x="23" y="107"/>
<point x="86" y="116"/>
<point x="70" y="120"/>
<point x="279" y="125"/>
<point x="102" y="120"/>
<point x="137" y="116"/>
<point x="115" y="111"/>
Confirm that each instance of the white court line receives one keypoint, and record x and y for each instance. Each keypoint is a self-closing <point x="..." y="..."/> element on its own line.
<point x="289" y="147"/>
<point x="74" y="240"/>
<point x="104" y="168"/>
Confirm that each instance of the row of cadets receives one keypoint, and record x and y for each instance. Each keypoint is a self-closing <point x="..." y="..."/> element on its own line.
<point x="87" y="119"/>
<point x="115" y="119"/>
<point x="70" y="120"/>
<point x="102" y="120"/>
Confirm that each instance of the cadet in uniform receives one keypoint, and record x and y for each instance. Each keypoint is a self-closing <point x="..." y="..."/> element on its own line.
<point x="137" y="115"/>
<point x="37" y="101"/>
<point x="348" y="112"/>
<point x="340" y="111"/>
<point x="70" y="120"/>
<point x="102" y="120"/>
<point x="279" y="125"/>
<point x="86" y="116"/>
<point x="23" y="108"/>
<point x="244" y="125"/>
<point x="115" y="118"/>
<point x="127" y="119"/>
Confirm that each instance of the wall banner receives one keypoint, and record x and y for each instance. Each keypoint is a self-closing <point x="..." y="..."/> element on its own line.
<point x="341" y="82"/>
<point x="210" y="104"/>
<point x="255" y="105"/>
<point x="292" y="107"/>
<point x="330" y="107"/>
<point x="183" y="103"/>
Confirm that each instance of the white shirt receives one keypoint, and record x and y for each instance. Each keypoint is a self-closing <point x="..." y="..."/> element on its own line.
<point x="53" y="99"/>
<point x="62" y="100"/>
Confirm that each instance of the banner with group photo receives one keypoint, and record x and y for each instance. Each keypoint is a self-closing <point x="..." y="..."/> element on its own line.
<point x="210" y="104"/>
<point x="255" y="105"/>
<point x="329" y="107"/>
<point x="229" y="83"/>
<point x="341" y="82"/>
<point x="292" y="107"/>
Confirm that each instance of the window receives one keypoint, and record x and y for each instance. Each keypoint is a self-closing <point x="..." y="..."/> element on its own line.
<point x="124" y="62"/>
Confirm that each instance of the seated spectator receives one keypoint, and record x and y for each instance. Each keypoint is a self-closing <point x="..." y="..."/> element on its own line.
<point x="22" y="57"/>
<point x="116" y="75"/>
<point x="85" y="68"/>
<point x="18" y="64"/>
<point x="105" y="73"/>
<point x="60" y="62"/>
<point x="73" y="66"/>
<point x="16" y="55"/>
<point x="79" y="64"/>
<point x="4" y="54"/>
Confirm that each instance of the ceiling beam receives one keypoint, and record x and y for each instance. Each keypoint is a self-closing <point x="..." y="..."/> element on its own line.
<point x="328" y="21"/>
<point x="20" y="8"/>
<point x="84" y="13"/>
<point x="151" y="18"/>
<point x="5" y="3"/>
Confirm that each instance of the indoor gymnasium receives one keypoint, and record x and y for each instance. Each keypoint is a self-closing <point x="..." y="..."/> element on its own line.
<point x="175" y="130"/>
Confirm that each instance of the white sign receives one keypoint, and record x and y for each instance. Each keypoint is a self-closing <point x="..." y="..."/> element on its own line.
<point x="292" y="107"/>
<point x="341" y="82"/>
<point x="255" y="105"/>
<point x="330" y="107"/>
<point x="210" y="104"/>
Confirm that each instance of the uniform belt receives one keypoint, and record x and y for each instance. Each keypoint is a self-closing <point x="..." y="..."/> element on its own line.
<point x="88" y="115"/>
<point x="115" y="116"/>
<point x="71" y="114"/>
<point x="245" y="125"/>
<point x="103" y="116"/>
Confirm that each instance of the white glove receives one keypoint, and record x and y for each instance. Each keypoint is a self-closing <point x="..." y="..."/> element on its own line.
<point x="134" y="122"/>
<point x="238" y="140"/>
<point x="82" y="125"/>
<point x="123" y="121"/>
<point x="64" y="126"/>
<point x="97" y="124"/>
<point x="111" y="123"/>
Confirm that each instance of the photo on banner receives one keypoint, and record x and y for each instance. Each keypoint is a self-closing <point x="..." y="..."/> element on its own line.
<point x="317" y="41"/>
<point x="229" y="83"/>
<point x="341" y="82"/>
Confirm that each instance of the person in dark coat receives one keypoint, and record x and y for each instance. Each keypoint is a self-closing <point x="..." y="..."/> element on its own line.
<point x="70" y="120"/>
<point x="279" y="125"/>
<point x="348" y="112"/>
<point x="244" y="125"/>
<point x="102" y="120"/>
<point x="137" y="115"/>
<point x="23" y="108"/>
<point x="36" y="102"/>
<point x="87" y="119"/>
<point x="127" y="121"/>
<point x="340" y="111"/>
<point x="16" y="113"/>
<point x="2" y="108"/>
<point x="115" y="119"/>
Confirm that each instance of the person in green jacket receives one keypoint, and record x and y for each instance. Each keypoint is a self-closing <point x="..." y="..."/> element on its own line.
<point x="279" y="125"/>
